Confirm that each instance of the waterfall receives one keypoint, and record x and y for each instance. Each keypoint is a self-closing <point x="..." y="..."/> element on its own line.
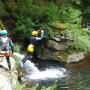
<point x="33" y="73"/>
<point x="30" y="67"/>
<point x="47" y="74"/>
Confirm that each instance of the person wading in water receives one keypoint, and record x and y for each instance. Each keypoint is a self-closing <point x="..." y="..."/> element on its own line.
<point x="32" y="50"/>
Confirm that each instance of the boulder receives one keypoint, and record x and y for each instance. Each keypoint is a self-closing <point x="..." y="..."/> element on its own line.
<point x="8" y="78"/>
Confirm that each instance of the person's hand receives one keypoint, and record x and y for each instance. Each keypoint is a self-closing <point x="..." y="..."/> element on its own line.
<point x="42" y="31"/>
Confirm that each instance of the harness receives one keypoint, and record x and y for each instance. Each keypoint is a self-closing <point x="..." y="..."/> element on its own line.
<point x="31" y="46"/>
<point x="5" y="49"/>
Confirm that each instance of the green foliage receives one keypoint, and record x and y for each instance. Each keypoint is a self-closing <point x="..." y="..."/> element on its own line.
<point x="18" y="86"/>
<point x="17" y="48"/>
<point x="87" y="10"/>
<point x="51" y="13"/>
<point x="17" y="62"/>
<point x="23" y="29"/>
<point x="78" y="2"/>
<point x="70" y="14"/>
<point x="48" y="31"/>
<point x="52" y="87"/>
<point x="26" y="25"/>
<point x="81" y="37"/>
<point x="31" y="14"/>
<point x="2" y="10"/>
<point x="47" y="87"/>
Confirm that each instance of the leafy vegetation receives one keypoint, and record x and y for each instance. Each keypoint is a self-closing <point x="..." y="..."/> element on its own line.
<point x="49" y="15"/>
<point x="46" y="87"/>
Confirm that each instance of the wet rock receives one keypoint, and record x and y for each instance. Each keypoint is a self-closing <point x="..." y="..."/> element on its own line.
<point x="8" y="78"/>
<point x="75" y="57"/>
<point x="70" y="58"/>
<point x="58" y="46"/>
<point x="64" y="57"/>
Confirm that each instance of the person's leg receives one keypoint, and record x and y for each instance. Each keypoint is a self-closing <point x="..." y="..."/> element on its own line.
<point x="30" y="57"/>
<point x="8" y="61"/>
<point x="25" y="58"/>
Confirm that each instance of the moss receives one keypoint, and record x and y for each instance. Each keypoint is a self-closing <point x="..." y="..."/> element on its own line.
<point x="17" y="62"/>
<point x="63" y="56"/>
<point x="18" y="86"/>
<point x="59" y="25"/>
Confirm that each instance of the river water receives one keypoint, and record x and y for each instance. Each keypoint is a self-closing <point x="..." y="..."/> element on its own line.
<point x="78" y="77"/>
<point x="74" y="76"/>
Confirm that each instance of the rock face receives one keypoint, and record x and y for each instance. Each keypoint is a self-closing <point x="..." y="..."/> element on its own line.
<point x="64" y="57"/>
<point x="75" y="57"/>
<point x="71" y="58"/>
<point x="59" y="44"/>
<point x="7" y="78"/>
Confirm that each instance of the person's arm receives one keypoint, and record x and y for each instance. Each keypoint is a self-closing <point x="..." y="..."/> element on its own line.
<point x="12" y="48"/>
<point x="11" y="44"/>
<point x="41" y="35"/>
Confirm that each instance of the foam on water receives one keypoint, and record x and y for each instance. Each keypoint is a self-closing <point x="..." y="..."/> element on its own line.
<point x="47" y="74"/>
<point x="30" y="67"/>
<point x="35" y="74"/>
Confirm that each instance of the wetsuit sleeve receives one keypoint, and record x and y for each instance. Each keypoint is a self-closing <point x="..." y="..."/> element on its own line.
<point x="11" y="44"/>
<point x="41" y="36"/>
<point x="38" y="38"/>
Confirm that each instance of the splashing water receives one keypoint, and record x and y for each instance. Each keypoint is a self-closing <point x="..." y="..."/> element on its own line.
<point x="30" y="67"/>
<point x="47" y="74"/>
<point x="34" y="74"/>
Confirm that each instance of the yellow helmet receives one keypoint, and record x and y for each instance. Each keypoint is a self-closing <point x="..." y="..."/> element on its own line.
<point x="34" y="33"/>
<point x="30" y="48"/>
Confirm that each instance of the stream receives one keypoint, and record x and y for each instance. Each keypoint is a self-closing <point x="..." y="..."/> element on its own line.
<point x="69" y="77"/>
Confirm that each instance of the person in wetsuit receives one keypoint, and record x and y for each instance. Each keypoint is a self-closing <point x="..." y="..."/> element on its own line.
<point x="33" y="51"/>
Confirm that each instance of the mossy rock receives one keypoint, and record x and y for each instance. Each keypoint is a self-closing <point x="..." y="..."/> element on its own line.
<point x="63" y="56"/>
<point x="59" y="25"/>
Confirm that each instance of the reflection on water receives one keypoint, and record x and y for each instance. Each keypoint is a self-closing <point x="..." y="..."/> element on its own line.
<point x="79" y="79"/>
<point x="79" y="76"/>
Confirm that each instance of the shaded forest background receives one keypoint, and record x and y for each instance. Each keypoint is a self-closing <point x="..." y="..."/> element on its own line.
<point x="20" y="17"/>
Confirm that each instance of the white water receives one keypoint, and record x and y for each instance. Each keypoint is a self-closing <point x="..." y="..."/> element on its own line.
<point x="30" y="67"/>
<point x="47" y="74"/>
<point x="34" y="74"/>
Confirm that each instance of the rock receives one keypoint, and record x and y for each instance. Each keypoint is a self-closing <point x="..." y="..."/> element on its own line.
<point x="58" y="46"/>
<point x="4" y="85"/>
<point x="64" y="57"/>
<point x="3" y="62"/>
<point x="8" y="78"/>
<point x="70" y="58"/>
<point x="18" y="55"/>
<point x="75" y="57"/>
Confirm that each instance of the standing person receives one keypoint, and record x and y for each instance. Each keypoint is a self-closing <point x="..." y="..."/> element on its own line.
<point x="6" y="46"/>
<point x="33" y="48"/>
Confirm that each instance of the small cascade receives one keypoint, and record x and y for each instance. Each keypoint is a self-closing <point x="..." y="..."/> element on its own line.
<point x="33" y="73"/>
<point x="30" y="67"/>
<point x="47" y="74"/>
